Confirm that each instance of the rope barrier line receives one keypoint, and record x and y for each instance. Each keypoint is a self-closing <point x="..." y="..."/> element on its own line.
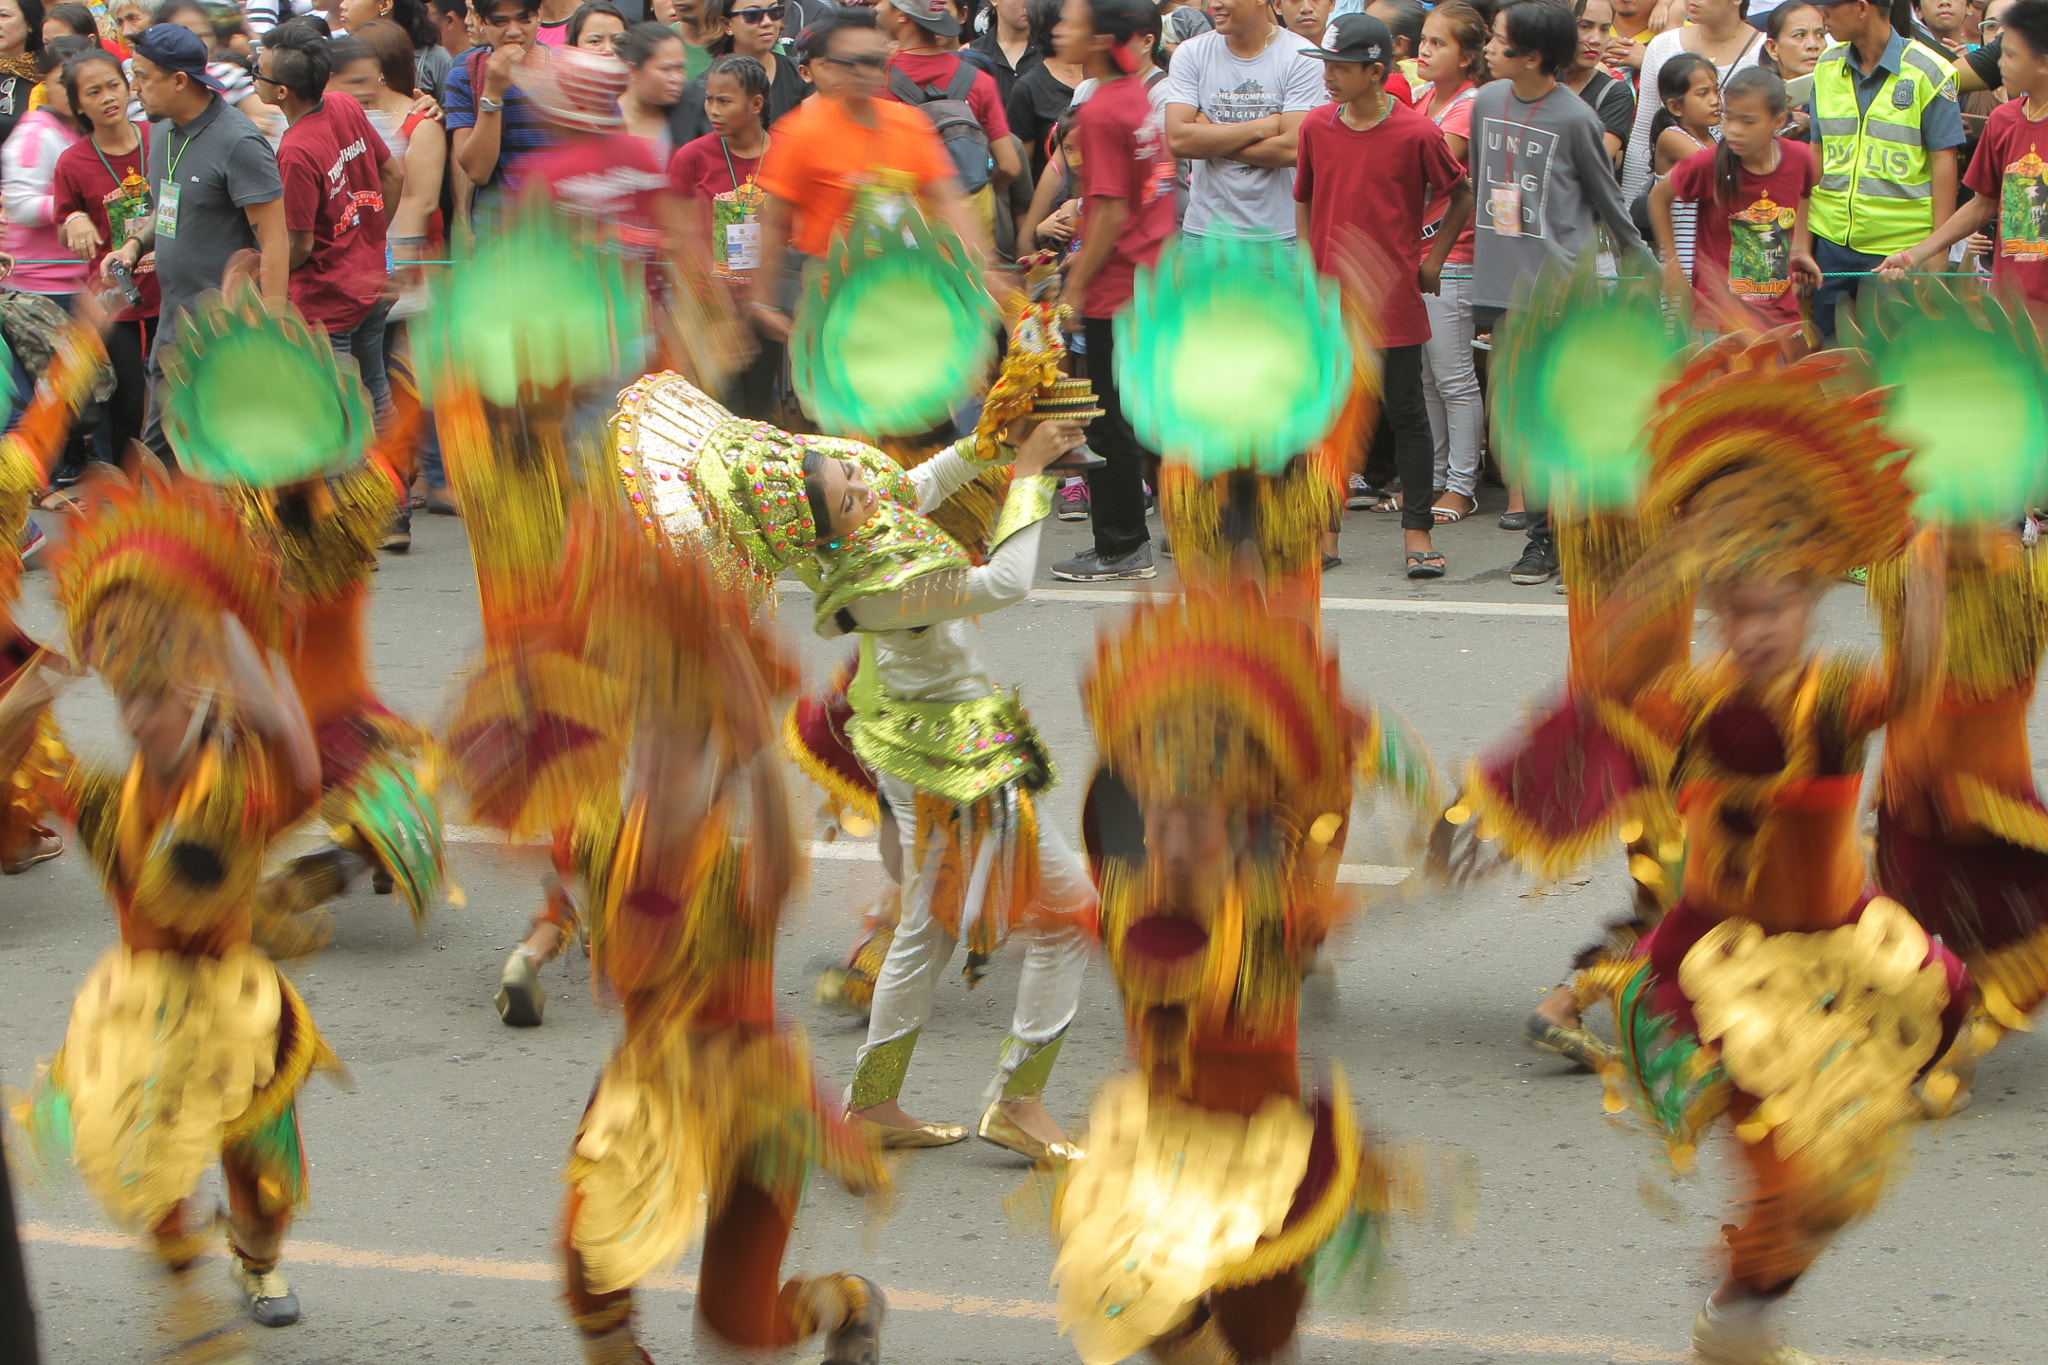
<point x="1460" y="275"/>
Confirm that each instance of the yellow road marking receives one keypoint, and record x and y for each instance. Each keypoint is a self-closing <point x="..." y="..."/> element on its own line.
<point x="1524" y="1345"/>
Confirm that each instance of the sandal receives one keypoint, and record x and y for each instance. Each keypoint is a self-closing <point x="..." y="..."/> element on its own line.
<point x="1514" y="521"/>
<point x="1447" y="516"/>
<point x="1425" y="564"/>
<point x="1390" y="503"/>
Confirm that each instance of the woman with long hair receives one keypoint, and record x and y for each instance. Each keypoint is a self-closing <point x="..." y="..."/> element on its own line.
<point x="749" y="28"/>
<point x="653" y="54"/>
<point x="1718" y="31"/>
<point x="1452" y="60"/>
<point x="1045" y="92"/>
<point x="21" y="36"/>
<point x="596" y="26"/>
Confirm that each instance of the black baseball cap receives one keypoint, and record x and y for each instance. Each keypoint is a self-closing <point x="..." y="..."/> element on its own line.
<point x="173" y="47"/>
<point x="1357" y="38"/>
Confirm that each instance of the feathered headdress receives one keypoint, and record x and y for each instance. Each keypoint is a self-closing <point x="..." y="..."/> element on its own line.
<point x="535" y="733"/>
<point x="1210" y="694"/>
<point x="146" y="575"/>
<point x="1803" y="444"/>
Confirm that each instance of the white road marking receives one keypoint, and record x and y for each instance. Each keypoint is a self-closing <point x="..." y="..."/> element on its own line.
<point x="854" y="851"/>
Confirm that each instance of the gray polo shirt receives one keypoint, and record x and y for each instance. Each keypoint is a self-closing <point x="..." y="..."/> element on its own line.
<point x="222" y="165"/>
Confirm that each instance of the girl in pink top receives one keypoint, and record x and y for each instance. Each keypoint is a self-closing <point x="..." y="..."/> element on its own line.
<point x="1452" y="59"/>
<point x="28" y="169"/>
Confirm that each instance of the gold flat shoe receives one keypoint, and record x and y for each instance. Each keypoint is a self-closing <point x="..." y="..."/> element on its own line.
<point x="999" y="1129"/>
<point x="893" y="1139"/>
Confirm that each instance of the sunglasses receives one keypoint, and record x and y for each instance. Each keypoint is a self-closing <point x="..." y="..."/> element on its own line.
<point x="770" y="15"/>
<point x="872" y="61"/>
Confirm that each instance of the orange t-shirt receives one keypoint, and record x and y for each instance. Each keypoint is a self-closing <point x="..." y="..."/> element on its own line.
<point x="823" y="163"/>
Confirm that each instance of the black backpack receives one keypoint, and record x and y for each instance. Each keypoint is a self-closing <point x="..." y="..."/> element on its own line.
<point x="946" y="106"/>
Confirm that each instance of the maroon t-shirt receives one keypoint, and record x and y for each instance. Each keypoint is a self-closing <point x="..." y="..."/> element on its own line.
<point x="81" y="184"/>
<point x="1747" y="246"/>
<point x="2008" y="170"/>
<point x="1374" y="183"/>
<point x="698" y="170"/>
<point x="1122" y="139"/>
<point x="328" y="161"/>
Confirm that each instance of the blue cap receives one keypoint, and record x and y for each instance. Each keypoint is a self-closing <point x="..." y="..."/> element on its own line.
<point x="173" y="47"/>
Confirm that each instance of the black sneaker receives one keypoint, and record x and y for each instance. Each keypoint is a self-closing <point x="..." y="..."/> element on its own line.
<point x="1086" y="567"/>
<point x="1538" y="563"/>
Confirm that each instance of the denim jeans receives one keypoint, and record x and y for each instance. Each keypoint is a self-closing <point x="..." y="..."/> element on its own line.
<point x="364" y="340"/>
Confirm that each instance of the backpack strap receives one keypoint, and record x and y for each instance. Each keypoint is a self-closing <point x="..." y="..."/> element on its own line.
<point x="905" y="89"/>
<point x="963" y="80"/>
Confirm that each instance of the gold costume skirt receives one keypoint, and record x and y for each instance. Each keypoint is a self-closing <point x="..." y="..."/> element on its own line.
<point x="676" y="1121"/>
<point x="169" y="1060"/>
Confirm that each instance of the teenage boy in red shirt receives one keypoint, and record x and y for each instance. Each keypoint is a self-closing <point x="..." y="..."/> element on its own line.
<point x="1127" y="186"/>
<point x="338" y="177"/>
<point x="1364" y="168"/>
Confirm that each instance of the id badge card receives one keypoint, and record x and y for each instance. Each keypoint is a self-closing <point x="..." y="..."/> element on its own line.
<point x="167" y="210"/>
<point x="742" y="246"/>
<point x="1506" y="202"/>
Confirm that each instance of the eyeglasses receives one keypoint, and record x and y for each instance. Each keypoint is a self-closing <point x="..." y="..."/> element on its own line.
<point x="872" y="61"/>
<point x="267" y="80"/>
<point x="771" y="15"/>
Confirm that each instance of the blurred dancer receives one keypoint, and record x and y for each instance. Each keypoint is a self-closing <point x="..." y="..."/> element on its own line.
<point x="1214" y="833"/>
<point x="1777" y="990"/>
<point x="185" y="1043"/>
<point x="708" y="1108"/>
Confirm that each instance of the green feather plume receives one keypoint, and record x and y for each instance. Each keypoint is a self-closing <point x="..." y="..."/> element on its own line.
<point x="252" y="395"/>
<point x="894" y="333"/>
<point x="1968" y="394"/>
<point x="1234" y="354"/>
<point x="1575" y="379"/>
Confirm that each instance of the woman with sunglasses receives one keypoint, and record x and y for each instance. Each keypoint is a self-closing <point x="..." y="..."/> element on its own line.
<point x="752" y="29"/>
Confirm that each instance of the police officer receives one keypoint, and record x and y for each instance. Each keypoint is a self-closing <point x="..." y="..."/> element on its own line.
<point x="1885" y="118"/>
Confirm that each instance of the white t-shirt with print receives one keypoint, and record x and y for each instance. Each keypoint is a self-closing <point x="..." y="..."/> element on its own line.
<point x="1207" y="75"/>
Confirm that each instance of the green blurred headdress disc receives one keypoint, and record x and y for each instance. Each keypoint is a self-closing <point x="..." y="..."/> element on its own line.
<point x="1577" y="374"/>
<point x="252" y="395"/>
<point x="539" y="303"/>
<point x="894" y="333"/>
<point x="1968" y="396"/>
<point x="1232" y="355"/>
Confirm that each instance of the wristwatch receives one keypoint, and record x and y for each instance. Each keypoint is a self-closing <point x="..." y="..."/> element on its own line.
<point x="486" y="105"/>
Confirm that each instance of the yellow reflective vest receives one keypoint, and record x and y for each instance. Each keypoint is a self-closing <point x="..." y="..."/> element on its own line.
<point x="1876" y="191"/>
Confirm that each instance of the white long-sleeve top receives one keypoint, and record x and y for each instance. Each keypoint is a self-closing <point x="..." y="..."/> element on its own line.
<point x="927" y="641"/>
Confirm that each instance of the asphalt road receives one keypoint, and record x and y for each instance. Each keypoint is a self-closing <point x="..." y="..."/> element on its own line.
<point x="436" y="1177"/>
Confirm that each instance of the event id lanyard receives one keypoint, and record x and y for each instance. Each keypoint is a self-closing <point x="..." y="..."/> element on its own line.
<point x="167" y="205"/>
<point x="736" y="219"/>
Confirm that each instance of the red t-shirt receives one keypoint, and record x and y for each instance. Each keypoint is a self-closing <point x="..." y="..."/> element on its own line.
<point x="328" y="161"/>
<point x="1374" y="183"/>
<point x="1455" y="121"/>
<point x="699" y="168"/>
<point x="81" y="184"/>
<point x="610" y="179"/>
<point x="936" y="68"/>
<point x="1759" y="272"/>
<point x="2007" y="169"/>
<point x="1122" y="139"/>
<point x="723" y="201"/>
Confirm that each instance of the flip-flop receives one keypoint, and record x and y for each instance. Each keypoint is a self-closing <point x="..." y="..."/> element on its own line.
<point x="1425" y="564"/>
<point x="1447" y="516"/>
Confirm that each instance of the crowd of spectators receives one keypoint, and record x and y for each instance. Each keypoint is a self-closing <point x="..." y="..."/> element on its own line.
<point x="1768" y="160"/>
